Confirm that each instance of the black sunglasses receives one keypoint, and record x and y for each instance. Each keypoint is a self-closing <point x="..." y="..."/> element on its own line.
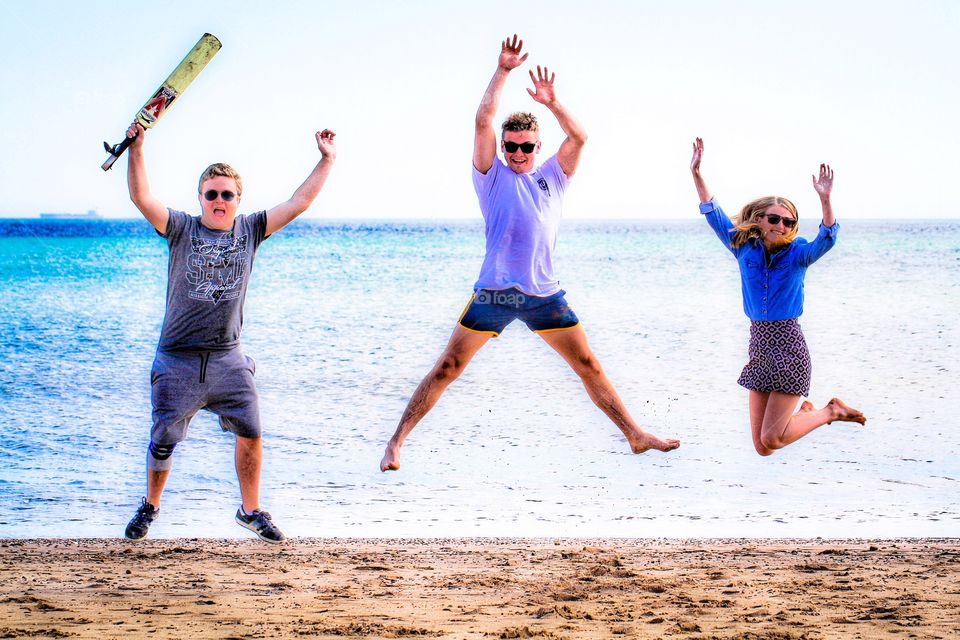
<point x="773" y="218"/>
<point x="212" y="194"/>
<point x="526" y="147"/>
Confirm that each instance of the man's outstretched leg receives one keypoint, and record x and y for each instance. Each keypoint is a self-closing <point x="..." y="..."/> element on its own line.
<point x="572" y="345"/>
<point x="460" y="350"/>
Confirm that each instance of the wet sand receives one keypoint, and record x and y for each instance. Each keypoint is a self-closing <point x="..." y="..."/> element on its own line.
<point x="480" y="588"/>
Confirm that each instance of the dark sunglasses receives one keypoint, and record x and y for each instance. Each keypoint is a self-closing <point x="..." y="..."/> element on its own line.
<point x="773" y="218"/>
<point x="526" y="147"/>
<point x="212" y="194"/>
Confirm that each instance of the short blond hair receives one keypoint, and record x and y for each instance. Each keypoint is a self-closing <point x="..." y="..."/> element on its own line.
<point x="521" y="121"/>
<point x="218" y="170"/>
<point x="748" y="225"/>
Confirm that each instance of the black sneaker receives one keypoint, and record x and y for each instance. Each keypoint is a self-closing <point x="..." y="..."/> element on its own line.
<point x="141" y="521"/>
<point x="260" y="523"/>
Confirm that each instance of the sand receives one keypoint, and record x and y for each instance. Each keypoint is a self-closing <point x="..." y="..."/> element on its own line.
<point x="480" y="588"/>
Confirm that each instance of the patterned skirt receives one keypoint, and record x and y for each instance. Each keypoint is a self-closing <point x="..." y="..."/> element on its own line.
<point x="779" y="360"/>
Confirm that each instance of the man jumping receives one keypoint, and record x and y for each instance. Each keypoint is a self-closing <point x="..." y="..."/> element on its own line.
<point x="521" y="206"/>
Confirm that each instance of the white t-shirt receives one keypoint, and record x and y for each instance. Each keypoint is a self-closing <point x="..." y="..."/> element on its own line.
<point x="522" y="215"/>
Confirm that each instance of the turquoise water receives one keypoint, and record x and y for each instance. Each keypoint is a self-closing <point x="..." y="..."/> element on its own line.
<point x="344" y="320"/>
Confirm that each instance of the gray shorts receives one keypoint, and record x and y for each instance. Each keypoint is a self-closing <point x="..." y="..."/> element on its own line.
<point x="184" y="382"/>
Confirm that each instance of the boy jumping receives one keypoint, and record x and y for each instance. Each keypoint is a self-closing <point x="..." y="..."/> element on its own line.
<point x="199" y="363"/>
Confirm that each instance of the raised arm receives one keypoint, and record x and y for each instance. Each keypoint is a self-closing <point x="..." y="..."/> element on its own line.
<point x="714" y="215"/>
<point x="698" y="181"/>
<point x="827" y="237"/>
<point x="823" y="186"/>
<point x="285" y="212"/>
<point x="151" y="208"/>
<point x="569" y="154"/>
<point x="485" y="136"/>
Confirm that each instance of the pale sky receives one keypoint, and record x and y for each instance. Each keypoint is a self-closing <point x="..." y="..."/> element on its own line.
<point x="773" y="87"/>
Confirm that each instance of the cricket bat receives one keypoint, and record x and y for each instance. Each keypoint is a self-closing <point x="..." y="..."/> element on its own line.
<point x="175" y="84"/>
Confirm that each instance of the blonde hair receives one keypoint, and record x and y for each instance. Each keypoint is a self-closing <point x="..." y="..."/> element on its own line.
<point x="219" y="169"/>
<point x="521" y="121"/>
<point x="747" y="223"/>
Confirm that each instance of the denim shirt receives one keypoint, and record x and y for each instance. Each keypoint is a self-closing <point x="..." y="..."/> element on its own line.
<point x="772" y="284"/>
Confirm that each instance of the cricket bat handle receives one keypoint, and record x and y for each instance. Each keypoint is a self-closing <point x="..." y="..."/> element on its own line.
<point x="115" y="152"/>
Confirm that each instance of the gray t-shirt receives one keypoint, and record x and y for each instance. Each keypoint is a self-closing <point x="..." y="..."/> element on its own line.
<point x="207" y="279"/>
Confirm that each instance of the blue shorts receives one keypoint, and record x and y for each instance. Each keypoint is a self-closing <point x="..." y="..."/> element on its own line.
<point x="489" y="311"/>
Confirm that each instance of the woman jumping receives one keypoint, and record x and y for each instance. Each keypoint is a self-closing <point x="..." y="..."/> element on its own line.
<point x="773" y="262"/>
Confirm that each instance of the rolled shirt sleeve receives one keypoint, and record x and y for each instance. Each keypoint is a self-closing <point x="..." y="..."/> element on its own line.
<point x="719" y="222"/>
<point x="813" y="251"/>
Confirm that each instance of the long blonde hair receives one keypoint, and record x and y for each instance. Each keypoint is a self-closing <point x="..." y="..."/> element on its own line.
<point x="747" y="223"/>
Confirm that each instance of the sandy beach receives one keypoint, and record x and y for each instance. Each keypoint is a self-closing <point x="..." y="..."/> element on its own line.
<point x="480" y="588"/>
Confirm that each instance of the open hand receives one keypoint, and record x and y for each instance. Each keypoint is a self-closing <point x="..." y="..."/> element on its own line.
<point x="543" y="86"/>
<point x="510" y="57"/>
<point x="697" y="155"/>
<point x="823" y="184"/>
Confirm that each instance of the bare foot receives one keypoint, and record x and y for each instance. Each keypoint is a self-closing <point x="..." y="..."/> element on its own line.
<point x="644" y="441"/>
<point x="843" y="413"/>
<point x="806" y="406"/>
<point x="391" y="459"/>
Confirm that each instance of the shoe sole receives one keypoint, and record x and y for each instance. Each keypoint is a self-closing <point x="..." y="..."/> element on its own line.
<point x="250" y="527"/>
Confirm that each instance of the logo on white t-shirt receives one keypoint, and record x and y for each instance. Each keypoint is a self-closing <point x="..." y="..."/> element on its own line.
<point x="543" y="185"/>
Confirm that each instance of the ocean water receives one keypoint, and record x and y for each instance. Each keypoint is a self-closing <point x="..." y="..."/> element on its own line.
<point x="344" y="319"/>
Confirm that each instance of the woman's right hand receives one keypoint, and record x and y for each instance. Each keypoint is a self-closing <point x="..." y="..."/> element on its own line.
<point x="697" y="155"/>
<point x="698" y="182"/>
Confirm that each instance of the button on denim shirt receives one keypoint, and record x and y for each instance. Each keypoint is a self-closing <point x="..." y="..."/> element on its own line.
<point x="772" y="284"/>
